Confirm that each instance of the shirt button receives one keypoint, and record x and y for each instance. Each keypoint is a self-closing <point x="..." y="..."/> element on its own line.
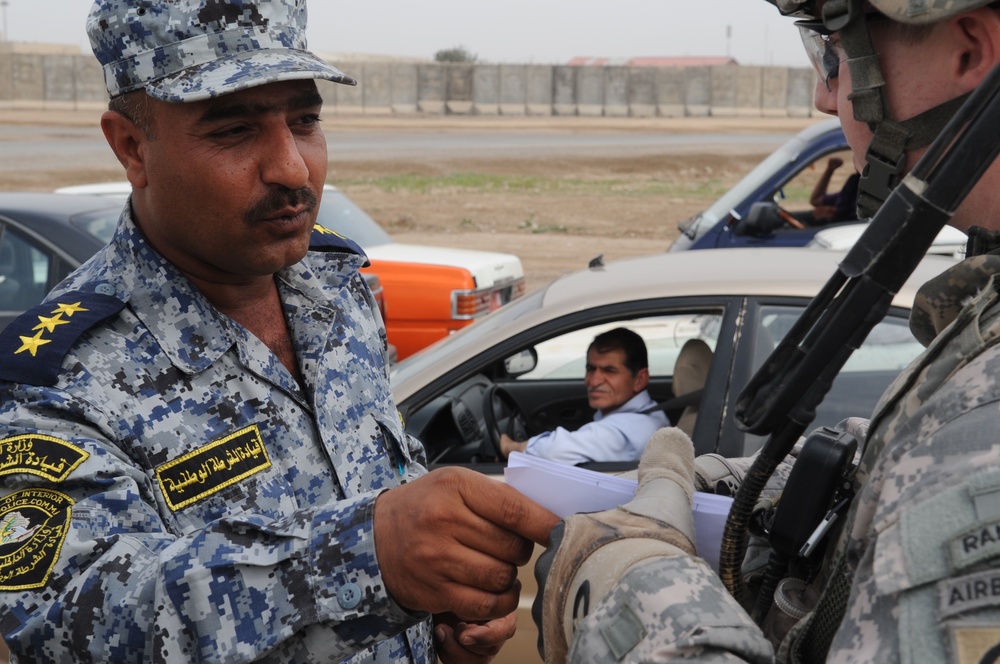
<point x="349" y="596"/>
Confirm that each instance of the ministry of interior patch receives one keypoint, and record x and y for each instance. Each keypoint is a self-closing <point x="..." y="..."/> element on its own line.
<point x="210" y="469"/>
<point x="45" y="456"/>
<point x="33" y="526"/>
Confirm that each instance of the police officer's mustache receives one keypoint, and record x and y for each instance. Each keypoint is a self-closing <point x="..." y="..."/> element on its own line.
<point x="277" y="200"/>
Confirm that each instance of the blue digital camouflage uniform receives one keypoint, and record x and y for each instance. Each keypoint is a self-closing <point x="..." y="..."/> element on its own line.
<point x="922" y="542"/>
<point x="171" y="493"/>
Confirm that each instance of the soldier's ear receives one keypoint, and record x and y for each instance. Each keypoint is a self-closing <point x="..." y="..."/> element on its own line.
<point x="128" y="143"/>
<point x="978" y="35"/>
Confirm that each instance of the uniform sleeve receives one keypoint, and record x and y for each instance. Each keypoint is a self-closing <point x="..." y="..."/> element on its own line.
<point x="669" y="609"/>
<point x="89" y="571"/>
<point x="594" y="441"/>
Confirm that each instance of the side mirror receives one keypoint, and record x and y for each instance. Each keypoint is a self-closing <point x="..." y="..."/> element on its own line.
<point x="762" y="220"/>
<point x="521" y="362"/>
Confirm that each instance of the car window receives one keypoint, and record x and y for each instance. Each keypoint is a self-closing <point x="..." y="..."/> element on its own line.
<point x="889" y="348"/>
<point x="794" y="195"/>
<point x="24" y="271"/>
<point x="340" y="214"/>
<point x="565" y="356"/>
<point x="100" y="223"/>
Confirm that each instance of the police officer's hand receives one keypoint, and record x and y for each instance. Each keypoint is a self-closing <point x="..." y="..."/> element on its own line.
<point x="589" y="553"/>
<point x="451" y="541"/>
<point x="461" y="642"/>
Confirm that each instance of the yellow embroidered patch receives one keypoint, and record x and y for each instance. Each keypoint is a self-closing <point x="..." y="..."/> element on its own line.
<point x="976" y="645"/>
<point x="45" y="456"/>
<point x="209" y="469"/>
<point x="33" y="526"/>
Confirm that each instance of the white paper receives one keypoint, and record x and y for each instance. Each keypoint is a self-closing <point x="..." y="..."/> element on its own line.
<point x="566" y="490"/>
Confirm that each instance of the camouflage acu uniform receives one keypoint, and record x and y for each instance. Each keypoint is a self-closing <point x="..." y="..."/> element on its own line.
<point x="922" y="543"/>
<point x="171" y="493"/>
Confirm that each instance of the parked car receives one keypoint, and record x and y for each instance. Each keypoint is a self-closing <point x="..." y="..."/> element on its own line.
<point x="522" y="367"/>
<point x="44" y="237"/>
<point x="754" y="212"/>
<point x="430" y="292"/>
<point x="740" y="303"/>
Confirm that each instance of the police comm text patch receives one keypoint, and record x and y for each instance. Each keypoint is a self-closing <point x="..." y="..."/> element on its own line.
<point x="45" y="456"/>
<point x="209" y="469"/>
<point x="33" y="526"/>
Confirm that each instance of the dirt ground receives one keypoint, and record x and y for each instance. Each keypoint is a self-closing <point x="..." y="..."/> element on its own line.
<point x="555" y="213"/>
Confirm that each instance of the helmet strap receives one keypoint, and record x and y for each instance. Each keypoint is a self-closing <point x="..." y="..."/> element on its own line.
<point x="886" y="156"/>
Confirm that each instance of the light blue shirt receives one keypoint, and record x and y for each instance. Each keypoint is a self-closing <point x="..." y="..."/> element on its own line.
<point x="619" y="436"/>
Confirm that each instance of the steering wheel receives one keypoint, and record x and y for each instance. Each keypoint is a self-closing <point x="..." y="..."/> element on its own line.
<point x="501" y="414"/>
<point x="787" y="217"/>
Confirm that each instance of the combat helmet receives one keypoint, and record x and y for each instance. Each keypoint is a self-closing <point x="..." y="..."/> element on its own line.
<point x="886" y="156"/>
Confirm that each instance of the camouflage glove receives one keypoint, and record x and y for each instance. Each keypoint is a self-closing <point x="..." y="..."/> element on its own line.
<point x="589" y="553"/>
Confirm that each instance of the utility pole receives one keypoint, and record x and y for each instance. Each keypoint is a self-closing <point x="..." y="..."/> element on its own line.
<point x="729" y="37"/>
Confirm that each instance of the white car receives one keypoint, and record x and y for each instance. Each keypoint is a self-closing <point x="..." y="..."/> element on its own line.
<point x="430" y="292"/>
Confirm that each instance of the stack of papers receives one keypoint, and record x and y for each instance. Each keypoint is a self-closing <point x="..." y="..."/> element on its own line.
<point x="566" y="490"/>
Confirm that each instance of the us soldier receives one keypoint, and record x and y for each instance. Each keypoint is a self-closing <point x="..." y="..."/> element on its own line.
<point x="913" y="575"/>
<point x="199" y="452"/>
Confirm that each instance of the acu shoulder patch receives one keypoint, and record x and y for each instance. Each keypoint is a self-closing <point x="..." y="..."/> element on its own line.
<point x="33" y="346"/>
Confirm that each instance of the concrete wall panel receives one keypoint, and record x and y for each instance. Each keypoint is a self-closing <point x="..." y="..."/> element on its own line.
<point x="459" y="88"/>
<point x="749" y="91"/>
<point x="801" y="86"/>
<point x="774" y="100"/>
<point x="540" y="89"/>
<point x="27" y="77"/>
<point x="670" y="92"/>
<point x="486" y="89"/>
<point x="564" y="90"/>
<point x="697" y="91"/>
<point x="431" y="88"/>
<point x="642" y="92"/>
<point x="514" y="90"/>
<point x="724" y="83"/>
<point x="590" y="91"/>
<point x="349" y="99"/>
<point x="616" y="86"/>
<point x="405" y="85"/>
<point x="376" y="88"/>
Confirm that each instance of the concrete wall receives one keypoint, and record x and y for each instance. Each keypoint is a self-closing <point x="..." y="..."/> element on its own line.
<point x="53" y="80"/>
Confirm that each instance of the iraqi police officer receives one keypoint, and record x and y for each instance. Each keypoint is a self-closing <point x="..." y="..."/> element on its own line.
<point x="913" y="574"/>
<point x="200" y="458"/>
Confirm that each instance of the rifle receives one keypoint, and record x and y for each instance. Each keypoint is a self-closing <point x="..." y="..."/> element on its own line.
<point x="781" y="399"/>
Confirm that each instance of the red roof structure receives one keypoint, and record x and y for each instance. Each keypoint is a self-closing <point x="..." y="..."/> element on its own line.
<point x="679" y="61"/>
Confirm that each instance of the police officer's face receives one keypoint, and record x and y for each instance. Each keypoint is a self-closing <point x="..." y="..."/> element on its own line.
<point x="230" y="187"/>
<point x="609" y="382"/>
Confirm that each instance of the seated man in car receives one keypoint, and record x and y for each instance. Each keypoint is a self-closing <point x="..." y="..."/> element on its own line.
<point x="616" y="380"/>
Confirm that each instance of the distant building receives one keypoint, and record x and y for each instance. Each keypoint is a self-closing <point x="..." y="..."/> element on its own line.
<point x="680" y="61"/>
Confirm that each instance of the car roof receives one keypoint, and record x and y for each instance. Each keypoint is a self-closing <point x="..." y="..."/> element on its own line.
<point x="779" y="271"/>
<point x="33" y="203"/>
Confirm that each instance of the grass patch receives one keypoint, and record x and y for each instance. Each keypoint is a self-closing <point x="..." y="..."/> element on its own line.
<point x="490" y="183"/>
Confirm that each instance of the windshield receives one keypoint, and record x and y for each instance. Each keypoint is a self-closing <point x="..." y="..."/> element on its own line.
<point x="339" y="213"/>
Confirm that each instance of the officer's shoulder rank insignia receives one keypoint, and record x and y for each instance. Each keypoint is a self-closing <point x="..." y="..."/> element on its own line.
<point x="323" y="239"/>
<point x="211" y="468"/>
<point x="33" y="526"/>
<point x="33" y="346"/>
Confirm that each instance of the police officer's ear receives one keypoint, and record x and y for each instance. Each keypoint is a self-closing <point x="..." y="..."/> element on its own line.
<point x="641" y="380"/>
<point x="127" y="139"/>
<point x="977" y="35"/>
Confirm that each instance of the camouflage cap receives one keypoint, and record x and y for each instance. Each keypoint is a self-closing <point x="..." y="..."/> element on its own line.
<point x="903" y="11"/>
<point x="188" y="50"/>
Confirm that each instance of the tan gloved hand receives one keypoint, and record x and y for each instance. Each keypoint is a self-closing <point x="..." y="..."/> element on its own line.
<point x="589" y="553"/>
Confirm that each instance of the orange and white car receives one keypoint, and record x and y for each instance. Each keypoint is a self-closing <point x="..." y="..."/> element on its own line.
<point x="430" y="292"/>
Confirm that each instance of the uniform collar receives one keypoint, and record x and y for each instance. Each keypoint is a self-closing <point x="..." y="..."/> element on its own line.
<point x="939" y="301"/>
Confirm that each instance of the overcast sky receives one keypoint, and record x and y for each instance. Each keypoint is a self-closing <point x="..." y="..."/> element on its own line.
<point x="511" y="31"/>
